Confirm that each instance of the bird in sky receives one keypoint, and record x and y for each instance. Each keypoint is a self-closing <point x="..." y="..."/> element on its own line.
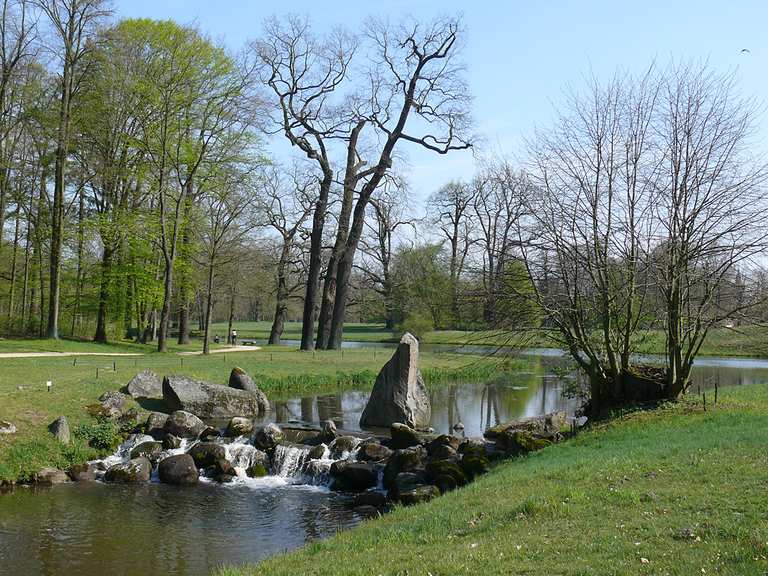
<point x="745" y="51"/>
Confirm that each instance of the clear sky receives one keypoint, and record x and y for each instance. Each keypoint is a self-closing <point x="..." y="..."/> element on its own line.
<point x="521" y="55"/>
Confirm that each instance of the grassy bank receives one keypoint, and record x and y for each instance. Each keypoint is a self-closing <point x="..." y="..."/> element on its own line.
<point x="79" y="381"/>
<point x="674" y="491"/>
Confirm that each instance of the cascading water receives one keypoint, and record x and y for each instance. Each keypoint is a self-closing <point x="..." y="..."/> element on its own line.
<point x="289" y="460"/>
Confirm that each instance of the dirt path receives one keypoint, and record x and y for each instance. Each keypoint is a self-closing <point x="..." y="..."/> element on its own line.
<point x="70" y="354"/>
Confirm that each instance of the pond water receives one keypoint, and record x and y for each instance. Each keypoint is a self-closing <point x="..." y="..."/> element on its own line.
<point x="97" y="529"/>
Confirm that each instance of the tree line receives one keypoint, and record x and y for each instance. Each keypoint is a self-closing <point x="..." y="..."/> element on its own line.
<point x="138" y="195"/>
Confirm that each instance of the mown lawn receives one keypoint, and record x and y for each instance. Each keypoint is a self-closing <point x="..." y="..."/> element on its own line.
<point x="674" y="491"/>
<point x="280" y="371"/>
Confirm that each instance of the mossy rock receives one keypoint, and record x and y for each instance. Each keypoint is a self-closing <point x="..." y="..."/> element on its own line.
<point x="258" y="470"/>
<point x="521" y="442"/>
<point x="474" y="465"/>
<point x="439" y="468"/>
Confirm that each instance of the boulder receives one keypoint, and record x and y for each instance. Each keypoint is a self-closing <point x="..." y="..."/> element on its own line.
<point x="403" y="436"/>
<point x="7" y="427"/>
<point x="210" y="432"/>
<point x="318" y="452"/>
<point x="418" y="494"/>
<point x="133" y="471"/>
<point x="407" y="460"/>
<point x="440" y="468"/>
<point x="51" y="476"/>
<point x="183" y="424"/>
<point x="373" y="452"/>
<point x="474" y="465"/>
<point x="546" y="424"/>
<point x="210" y="400"/>
<point x="370" y="498"/>
<point x="239" y="426"/>
<point x="112" y="403"/>
<point x="146" y="384"/>
<point x="171" y="442"/>
<point x="257" y="470"/>
<point x="149" y="450"/>
<point x="328" y="432"/>
<point x="399" y="394"/>
<point x="444" y="440"/>
<point x="240" y="380"/>
<point x="267" y="437"/>
<point x="60" y="429"/>
<point x="179" y="469"/>
<point x="343" y="445"/>
<point x="206" y="454"/>
<point x="443" y="452"/>
<point x="155" y="425"/>
<point x="222" y="471"/>
<point x="83" y="472"/>
<point x="354" y="476"/>
<point x="245" y="456"/>
<point x="520" y="442"/>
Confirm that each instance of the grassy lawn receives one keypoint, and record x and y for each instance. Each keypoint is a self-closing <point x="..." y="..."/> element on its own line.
<point x="280" y="371"/>
<point x="674" y="491"/>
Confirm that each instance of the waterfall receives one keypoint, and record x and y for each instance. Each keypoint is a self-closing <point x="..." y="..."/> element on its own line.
<point x="289" y="460"/>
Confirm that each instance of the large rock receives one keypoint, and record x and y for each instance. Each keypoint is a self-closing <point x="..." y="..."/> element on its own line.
<point x="399" y="394"/>
<point x="267" y="437"/>
<point x="403" y="436"/>
<point x="112" y="403"/>
<point x="546" y="424"/>
<point x="83" y="472"/>
<point x="150" y="450"/>
<point x="206" y="454"/>
<point x="210" y="400"/>
<point x="51" y="476"/>
<point x="60" y="429"/>
<point x="240" y="380"/>
<point x="373" y="452"/>
<point x="7" y="427"/>
<point x="179" y="469"/>
<point x="184" y="425"/>
<point x="155" y="425"/>
<point x="146" y="384"/>
<point x="407" y="460"/>
<point x="354" y="476"/>
<point x="133" y="471"/>
<point x="239" y="426"/>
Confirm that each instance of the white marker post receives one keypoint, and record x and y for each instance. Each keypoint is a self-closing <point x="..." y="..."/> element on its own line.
<point x="49" y="385"/>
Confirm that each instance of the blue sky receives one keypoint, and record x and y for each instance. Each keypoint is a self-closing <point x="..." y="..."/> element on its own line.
<point x="522" y="55"/>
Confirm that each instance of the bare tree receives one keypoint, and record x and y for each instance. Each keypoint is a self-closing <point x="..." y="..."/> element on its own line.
<point x="390" y="216"/>
<point x="710" y="209"/>
<point x="285" y="208"/>
<point x="450" y="210"/>
<point x="304" y="75"/>
<point x="414" y="75"/>
<point x="500" y="198"/>
<point x="591" y="221"/>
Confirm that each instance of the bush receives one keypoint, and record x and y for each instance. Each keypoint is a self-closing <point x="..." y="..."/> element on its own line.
<point x="101" y="435"/>
<point x="417" y="323"/>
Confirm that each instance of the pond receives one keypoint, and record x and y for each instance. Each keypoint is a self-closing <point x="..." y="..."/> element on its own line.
<point x="95" y="529"/>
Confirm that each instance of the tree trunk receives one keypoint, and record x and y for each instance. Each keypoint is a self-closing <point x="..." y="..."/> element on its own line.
<point x="208" y="310"/>
<point x="165" y="313"/>
<point x="57" y="217"/>
<point x="14" y="257"/>
<point x="80" y="247"/>
<point x="101" y="315"/>
<point x="315" y="263"/>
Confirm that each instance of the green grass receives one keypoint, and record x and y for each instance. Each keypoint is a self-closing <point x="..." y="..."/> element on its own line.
<point x="681" y="488"/>
<point x="20" y="345"/>
<point x="282" y="372"/>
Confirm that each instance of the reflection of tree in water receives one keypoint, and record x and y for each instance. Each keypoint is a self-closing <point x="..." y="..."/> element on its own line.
<point x="307" y="408"/>
<point x="282" y="412"/>
<point x="329" y="408"/>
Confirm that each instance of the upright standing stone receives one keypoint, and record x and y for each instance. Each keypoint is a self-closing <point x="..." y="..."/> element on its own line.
<point x="60" y="429"/>
<point x="399" y="394"/>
